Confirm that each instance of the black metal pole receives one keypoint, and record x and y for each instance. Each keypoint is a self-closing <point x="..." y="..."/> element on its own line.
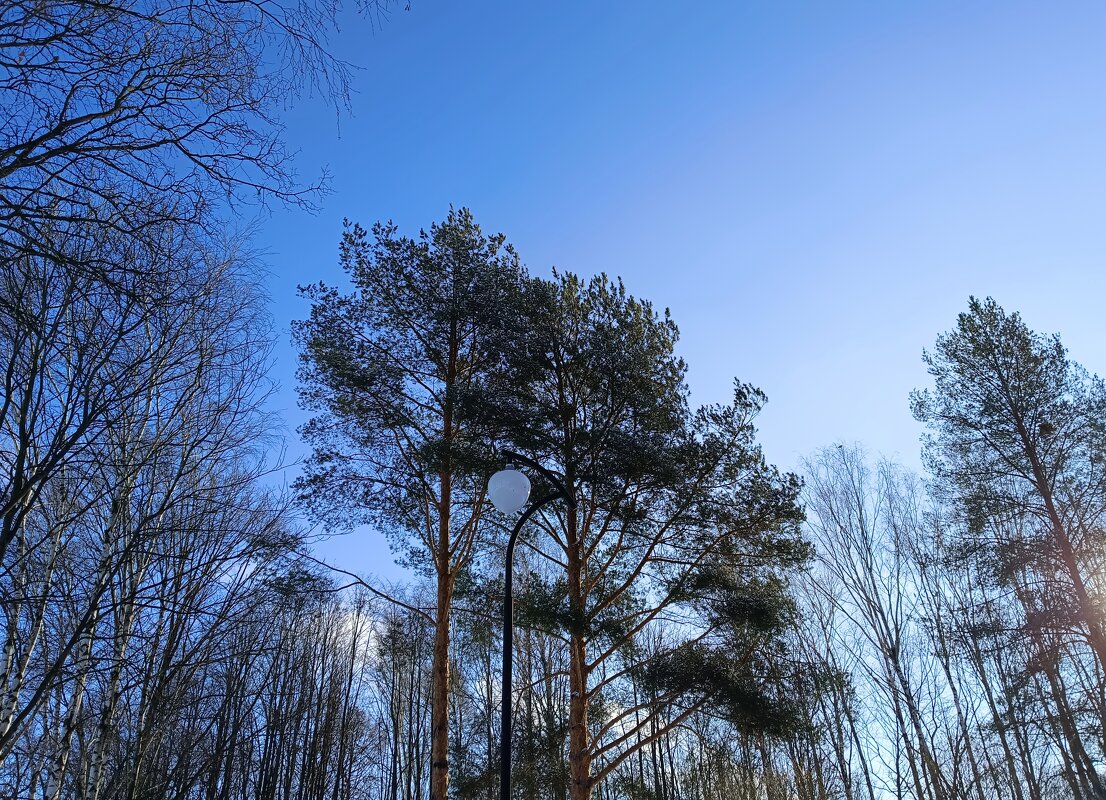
<point x="508" y="618"/>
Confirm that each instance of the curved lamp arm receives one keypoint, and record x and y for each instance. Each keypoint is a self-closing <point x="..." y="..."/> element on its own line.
<point x="552" y="477"/>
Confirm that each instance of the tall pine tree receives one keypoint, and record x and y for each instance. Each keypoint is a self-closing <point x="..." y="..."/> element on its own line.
<point x="385" y="367"/>
<point x="1017" y="443"/>
<point x="669" y="584"/>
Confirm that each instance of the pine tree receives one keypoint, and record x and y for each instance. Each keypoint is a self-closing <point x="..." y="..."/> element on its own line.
<point x="385" y="367"/>
<point x="679" y="519"/>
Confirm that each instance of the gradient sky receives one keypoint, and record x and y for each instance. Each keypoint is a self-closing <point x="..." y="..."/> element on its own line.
<point x="813" y="189"/>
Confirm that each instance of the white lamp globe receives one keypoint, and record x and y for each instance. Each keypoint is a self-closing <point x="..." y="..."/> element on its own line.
<point x="508" y="490"/>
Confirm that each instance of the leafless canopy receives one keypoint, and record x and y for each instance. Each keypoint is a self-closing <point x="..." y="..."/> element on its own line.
<point x="133" y="113"/>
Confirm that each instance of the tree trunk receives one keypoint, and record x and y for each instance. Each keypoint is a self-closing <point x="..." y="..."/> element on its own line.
<point x="579" y="751"/>
<point x="439" y="700"/>
<point x="579" y="755"/>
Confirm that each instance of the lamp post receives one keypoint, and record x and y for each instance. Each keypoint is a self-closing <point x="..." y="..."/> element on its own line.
<point x="509" y="490"/>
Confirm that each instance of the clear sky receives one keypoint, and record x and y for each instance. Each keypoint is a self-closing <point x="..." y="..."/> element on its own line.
<point x="813" y="189"/>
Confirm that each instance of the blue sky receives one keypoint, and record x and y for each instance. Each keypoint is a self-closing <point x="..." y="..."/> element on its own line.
<point x="813" y="189"/>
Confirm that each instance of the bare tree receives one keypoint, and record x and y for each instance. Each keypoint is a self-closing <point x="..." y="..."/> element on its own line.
<point x="132" y="448"/>
<point x="126" y="115"/>
<point x="866" y="575"/>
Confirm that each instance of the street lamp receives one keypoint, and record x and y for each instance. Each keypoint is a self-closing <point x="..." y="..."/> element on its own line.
<point x="508" y="490"/>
